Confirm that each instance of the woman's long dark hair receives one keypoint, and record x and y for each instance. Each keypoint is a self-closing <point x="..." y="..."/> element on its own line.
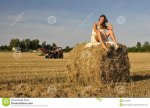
<point x="105" y="20"/>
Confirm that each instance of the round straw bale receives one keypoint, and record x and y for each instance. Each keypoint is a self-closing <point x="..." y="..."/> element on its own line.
<point x="94" y="66"/>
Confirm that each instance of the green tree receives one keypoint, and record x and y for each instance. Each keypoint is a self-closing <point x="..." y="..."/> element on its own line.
<point x="146" y="46"/>
<point x="54" y="46"/>
<point x="22" y="45"/>
<point x="48" y="46"/>
<point x="67" y="49"/>
<point x="44" y="44"/>
<point x="132" y="49"/>
<point x="138" y="46"/>
<point x="34" y="44"/>
<point x="4" y="47"/>
<point x="14" y="43"/>
<point x="27" y="44"/>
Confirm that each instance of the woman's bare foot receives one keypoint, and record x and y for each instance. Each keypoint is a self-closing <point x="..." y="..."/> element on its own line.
<point x="108" y="50"/>
<point x="116" y="47"/>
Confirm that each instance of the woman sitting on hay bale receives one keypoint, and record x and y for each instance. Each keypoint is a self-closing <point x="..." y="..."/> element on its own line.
<point x="100" y="35"/>
<point x="94" y="66"/>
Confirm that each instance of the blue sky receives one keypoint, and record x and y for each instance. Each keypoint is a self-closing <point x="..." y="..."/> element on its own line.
<point x="74" y="19"/>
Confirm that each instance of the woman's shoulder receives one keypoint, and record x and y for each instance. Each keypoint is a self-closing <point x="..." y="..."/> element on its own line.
<point x="96" y="24"/>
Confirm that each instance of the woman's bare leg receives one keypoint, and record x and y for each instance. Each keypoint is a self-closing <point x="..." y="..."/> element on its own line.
<point x="99" y="37"/>
<point x="111" y="33"/>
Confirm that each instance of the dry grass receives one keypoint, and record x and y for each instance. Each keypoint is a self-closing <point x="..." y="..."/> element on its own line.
<point x="93" y="66"/>
<point x="34" y="76"/>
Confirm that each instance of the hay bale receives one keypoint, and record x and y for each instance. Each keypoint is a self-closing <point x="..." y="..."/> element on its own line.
<point x="94" y="66"/>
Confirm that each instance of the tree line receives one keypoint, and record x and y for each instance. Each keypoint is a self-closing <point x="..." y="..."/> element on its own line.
<point x="28" y="45"/>
<point x="140" y="47"/>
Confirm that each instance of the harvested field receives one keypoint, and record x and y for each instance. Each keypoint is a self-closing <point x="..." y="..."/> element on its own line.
<point x="33" y="76"/>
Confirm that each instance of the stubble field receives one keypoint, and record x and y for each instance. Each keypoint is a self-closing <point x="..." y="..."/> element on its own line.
<point x="29" y="75"/>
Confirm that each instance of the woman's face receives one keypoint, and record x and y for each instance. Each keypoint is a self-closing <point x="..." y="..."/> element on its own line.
<point x="101" y="20"/>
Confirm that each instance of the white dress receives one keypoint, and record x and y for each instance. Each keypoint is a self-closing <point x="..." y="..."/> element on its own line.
<point x="94" y="42"/>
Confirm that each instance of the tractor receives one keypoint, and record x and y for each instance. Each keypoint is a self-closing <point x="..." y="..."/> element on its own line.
<point x="55" y="53"/>
<point x="42" y="51"/>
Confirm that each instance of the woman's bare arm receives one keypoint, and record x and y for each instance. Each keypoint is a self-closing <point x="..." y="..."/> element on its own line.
<point x="95" y="27"/>
<point x="109" y="26"/>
